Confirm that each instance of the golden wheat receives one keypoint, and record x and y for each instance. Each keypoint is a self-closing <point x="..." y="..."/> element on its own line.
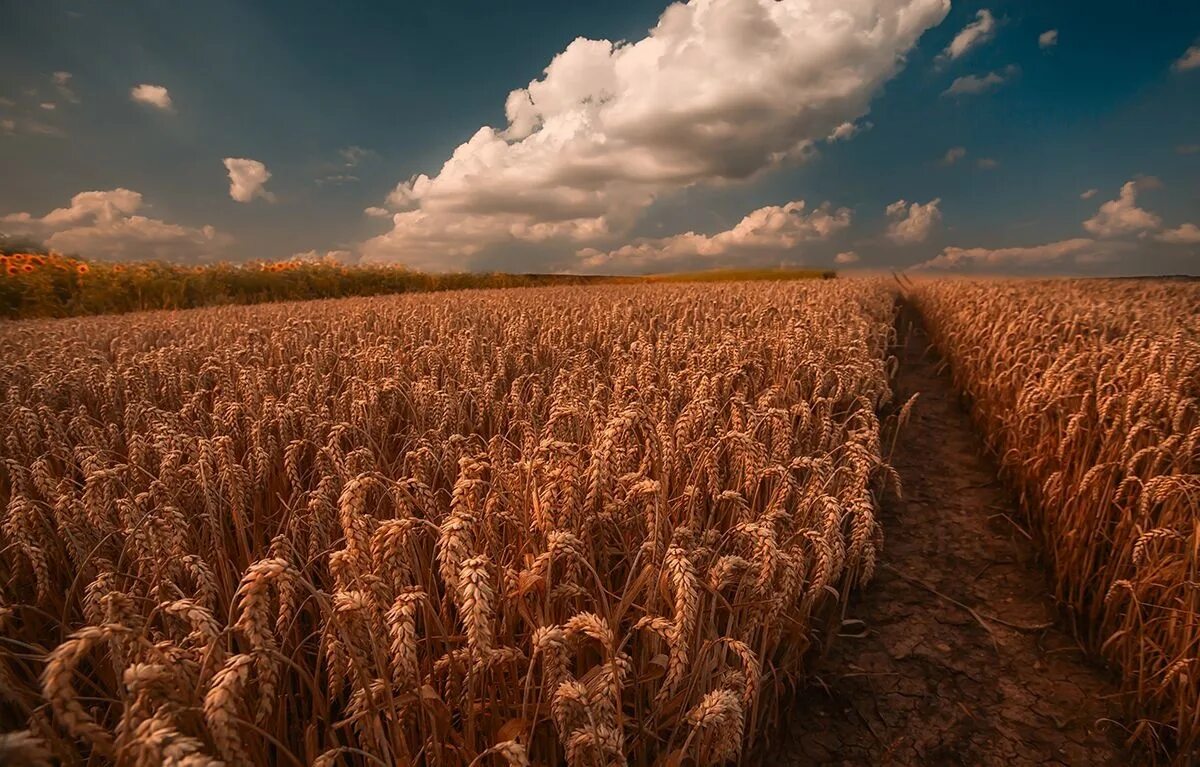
<point x="585" y="525"/>
<point x="1089" y="391"/>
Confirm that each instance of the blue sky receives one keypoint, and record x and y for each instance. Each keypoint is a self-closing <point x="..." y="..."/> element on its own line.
<point x="622" y="162"/>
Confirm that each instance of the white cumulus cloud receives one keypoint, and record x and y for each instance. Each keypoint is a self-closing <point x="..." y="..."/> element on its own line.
<point x="1122" y="216"/>
<point x="246" y="179"/>
<point x="846" y="257"/>
<point x="973" y="35"/>
<point x="377" y="212"/>
<point x="105" y="225"/>
<point x="1048" y="39"/>
<point x="155" y="95"/>
<point x="717" y="92"/>
<point x="766" y="235"/>
<point x="912" y="223"/>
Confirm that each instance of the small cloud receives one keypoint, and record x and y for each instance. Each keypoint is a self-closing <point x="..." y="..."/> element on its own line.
<point x="29" y="127"/>
<point x="987" y="163"/>
<point x="848" y="130"/>
<point x="953" y="155"/>
<point x="7" y="102"/>
<point x="62" y="83"/>
<point x="912" y="223"/>
<point x="353" y="155"/>
<point x="1089" y="194"/>
<point x="49" y="106"/>
<point x="1080" y="250"/>
<point x="973" y="35"/>
<point x="1122" y="216"/>
<point x="846" y="257"/>
<point x="246" y="179"/>
<point x="155" y="95"/>
<point x="1048" y="39"/>
<point x="1186" y="234"/>
<point x="337" y="180"/>
<point x="973" y="85"/>
<point x="377" y="212"/>
<point x="1187" y="149"/>
<point x="1188" y="61"/>
<point x="41" y="129"/>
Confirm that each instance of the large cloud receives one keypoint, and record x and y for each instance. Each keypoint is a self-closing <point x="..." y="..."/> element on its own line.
<point x="104" y="225"/>
<point x="718" y="91"/>
<point x="246" y="179"/>
<point x="912" y="223"/>
<point x="767" y="235"/>
<point x="1122" y="216"/>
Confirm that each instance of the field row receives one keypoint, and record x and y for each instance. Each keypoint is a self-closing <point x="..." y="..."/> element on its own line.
<point x="1090" y="393"/>
<point x="597" y="526"/>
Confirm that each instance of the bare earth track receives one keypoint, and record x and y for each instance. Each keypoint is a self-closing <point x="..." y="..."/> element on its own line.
<point x="928" y="681"/>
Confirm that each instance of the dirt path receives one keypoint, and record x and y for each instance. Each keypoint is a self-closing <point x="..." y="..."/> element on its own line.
<point x="928" y="684"/>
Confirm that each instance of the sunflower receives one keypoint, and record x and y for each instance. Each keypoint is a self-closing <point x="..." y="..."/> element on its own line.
<point x="82" y="269"/>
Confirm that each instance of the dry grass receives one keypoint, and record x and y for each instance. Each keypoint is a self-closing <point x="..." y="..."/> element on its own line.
<point x="580" y="525"/>
<point x="1090" y="393"/>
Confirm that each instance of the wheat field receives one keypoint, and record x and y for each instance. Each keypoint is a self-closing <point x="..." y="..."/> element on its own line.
<point x="585" y="525"/>
<point x="1089" y="392"/>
